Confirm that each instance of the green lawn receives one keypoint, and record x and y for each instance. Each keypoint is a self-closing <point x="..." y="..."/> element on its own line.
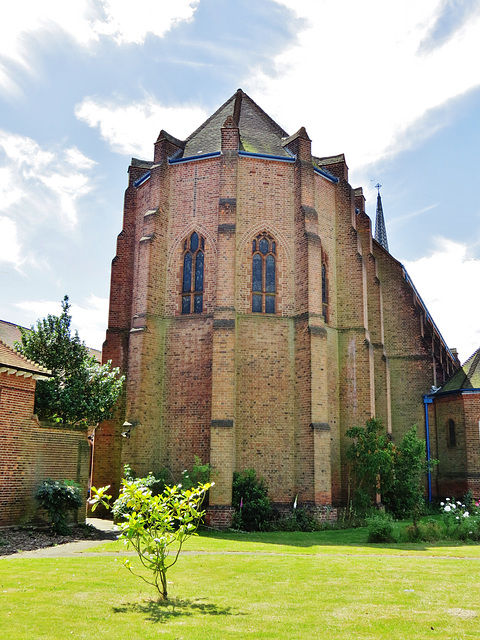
<point x="291" y="586"/>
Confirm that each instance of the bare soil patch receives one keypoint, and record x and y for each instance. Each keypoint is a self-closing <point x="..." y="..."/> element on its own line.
<point x="19" y="539"/>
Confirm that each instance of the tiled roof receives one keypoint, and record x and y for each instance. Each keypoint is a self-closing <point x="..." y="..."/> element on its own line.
<point x="13" y="362"/>
<point x="324" y="162"/>
<point x="258" y="132"/>
<point x="10" y="333"/>
<point x="465" y="377"/>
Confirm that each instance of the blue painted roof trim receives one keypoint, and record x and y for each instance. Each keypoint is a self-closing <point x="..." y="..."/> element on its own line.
<point x="201" y="156"/>
<point x="265" y="156"/>
<point x="452" y="392"/>
<point x="141" y="180"/>
<point x="326" y="175"/>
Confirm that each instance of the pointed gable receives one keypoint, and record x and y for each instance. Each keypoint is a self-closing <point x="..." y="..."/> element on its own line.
<point x="258" y="132"/>
<point x="465" y="377"/>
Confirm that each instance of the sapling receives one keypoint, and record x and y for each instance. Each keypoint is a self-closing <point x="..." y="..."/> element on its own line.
<point x="156" y="526"/>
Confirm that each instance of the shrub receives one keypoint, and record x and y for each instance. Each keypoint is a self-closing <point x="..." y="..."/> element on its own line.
<point x="299" y="519"/>
<point x="395" y="472"/>
<point x="380" y="528"/>
<point x="156" y="483"/>
<point x="371" y="455"/>
<point x="461" y="520"/>
<point x="253" y="509"/>
<point x="200" y="474"/>
<point x="59" y="498"/>
<point x="405" y="496"/>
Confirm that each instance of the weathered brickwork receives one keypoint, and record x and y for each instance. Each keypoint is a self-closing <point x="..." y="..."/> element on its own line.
<point x="349" y="338"/>
<point x="32" y="452"/>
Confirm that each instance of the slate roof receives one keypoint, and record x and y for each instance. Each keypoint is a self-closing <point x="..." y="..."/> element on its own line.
<point x="10" y="332"/>
<point x="380" y="228"/>
<point x="465" y="377"/>
<point x="13" y="362"/>
<point x="258" y="132"/>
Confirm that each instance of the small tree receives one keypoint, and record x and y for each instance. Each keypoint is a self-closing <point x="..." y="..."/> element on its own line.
<point x="372" y="460"/>
<point x="156" y="526"/>
<point x="397" y="473"/>
<point x="406" y="495"/>
<point x="80" y="389"/>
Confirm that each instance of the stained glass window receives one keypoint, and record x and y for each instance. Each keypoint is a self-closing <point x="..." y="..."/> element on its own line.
<point x="263" y="274"/>
<point x="324" y="292"/>
<point x="193" y="274"/>
<point x="452" y="436"/>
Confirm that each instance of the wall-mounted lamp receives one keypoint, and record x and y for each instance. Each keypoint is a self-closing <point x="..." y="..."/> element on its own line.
<point x="126" y="426"/>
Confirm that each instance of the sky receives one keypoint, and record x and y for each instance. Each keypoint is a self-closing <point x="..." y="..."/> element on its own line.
<point x="87" y="85"/>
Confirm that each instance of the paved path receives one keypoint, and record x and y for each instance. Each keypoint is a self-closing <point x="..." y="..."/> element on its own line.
<point x="70" y="549"/>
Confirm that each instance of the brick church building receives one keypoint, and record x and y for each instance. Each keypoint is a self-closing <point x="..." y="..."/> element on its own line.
<point x="256" y="317"/>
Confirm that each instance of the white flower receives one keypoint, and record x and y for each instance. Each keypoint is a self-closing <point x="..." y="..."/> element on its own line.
<point x="447" y="499"/>
<point x="448" y="508"/>
<point x="458" y="502"/>
<point x="466" y="514"/>
<point x="441" y="504"/>
<point x="453" y="505"/>
<point x="458" y="517"/>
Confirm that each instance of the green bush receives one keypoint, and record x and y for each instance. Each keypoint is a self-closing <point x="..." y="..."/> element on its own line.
<point x="59" y="498"/>
<point x="405" y="496"/>
<point x="199" y="474"/>
<point x="253" y="509"/>
<point x="299" y="519"/>
<point x="396" y="473"/>
<point x="380" y="528"/>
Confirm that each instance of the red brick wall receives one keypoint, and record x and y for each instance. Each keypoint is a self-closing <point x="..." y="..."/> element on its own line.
<point x="459" y="466"/>
<point x="245" y="390"/>
<point x="32" y="452"/>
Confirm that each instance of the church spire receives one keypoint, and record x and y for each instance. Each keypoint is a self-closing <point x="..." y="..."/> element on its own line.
<point x="380" y="229"/>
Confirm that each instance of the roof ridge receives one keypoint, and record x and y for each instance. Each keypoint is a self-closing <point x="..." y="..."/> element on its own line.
<point x="208" y="120"/>
<point x="475" y="362"/>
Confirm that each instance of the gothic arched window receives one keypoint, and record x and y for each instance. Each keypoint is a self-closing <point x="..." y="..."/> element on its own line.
<point x="324" y="292"/>
<point x="192" y="281"/>
<point x="451" y="434"/>
<point x="263" y="274"/>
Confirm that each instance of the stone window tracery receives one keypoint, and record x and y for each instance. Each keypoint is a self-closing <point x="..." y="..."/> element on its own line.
<point x="193" y="274"/>
<point x="263" y="274"/>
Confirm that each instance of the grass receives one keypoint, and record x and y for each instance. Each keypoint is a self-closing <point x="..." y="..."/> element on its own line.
<point x="327" y="584"/>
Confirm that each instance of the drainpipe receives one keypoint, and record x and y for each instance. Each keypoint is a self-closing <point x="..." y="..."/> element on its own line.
<point x="426" y="401"/>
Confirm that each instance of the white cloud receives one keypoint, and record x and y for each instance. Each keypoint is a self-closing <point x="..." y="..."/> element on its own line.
<point x="83" y="21"/>
<point x="125" y="21"/>
<point x="10" y="248"/>
<point x="447" y="281"/>
<point x="358" y="80"/>
<point x="134" y="127"/>
<point x="89" y="318"/>
<point x="41" y="184"/>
